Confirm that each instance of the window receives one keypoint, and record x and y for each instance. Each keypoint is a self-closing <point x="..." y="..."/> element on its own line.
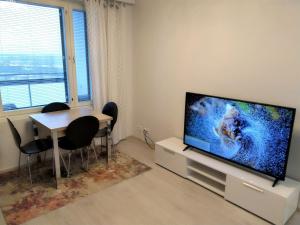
<point x="81" y="62"/>
<point x="35" y="65"/>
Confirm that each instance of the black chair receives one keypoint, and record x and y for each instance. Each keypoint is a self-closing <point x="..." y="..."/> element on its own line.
<point x="9" y="106"/>
<point x="51" y="107"/>
<point x="79" y="135"/>
<point x="110" y="109"/>
<point x="55" y="106"/>
<point x="29" y="149"/>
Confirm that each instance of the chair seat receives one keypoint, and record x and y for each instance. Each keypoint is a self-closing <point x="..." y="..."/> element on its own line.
<point x="64" y="143"/>
<point x="45" y="143"/>
<point x="102" y="132"/>
<point x="37" y="146"/>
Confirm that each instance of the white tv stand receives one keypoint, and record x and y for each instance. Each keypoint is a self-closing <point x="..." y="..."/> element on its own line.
<point x="245" y="189"/>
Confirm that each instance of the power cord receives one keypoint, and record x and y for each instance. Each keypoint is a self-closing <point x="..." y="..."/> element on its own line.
<point x="148" y="139"/>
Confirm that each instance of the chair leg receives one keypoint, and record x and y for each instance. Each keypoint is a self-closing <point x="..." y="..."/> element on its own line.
<point x="29" y="169"/>
<point x="63" y="160"/>
<point x="106" y="139"/>
<point x="106" y="142"/>
<point x="81" y="155"/>
<point x="113" y="149"/>
<point x="88" y="159"/>
<point x="94" y="143"/>
<point x="96" y="157"/>
<point x="69" y="163"/>
<point x="19" y="168"/>
<point x="100" y="145"/>
<point x="45" y="156"/>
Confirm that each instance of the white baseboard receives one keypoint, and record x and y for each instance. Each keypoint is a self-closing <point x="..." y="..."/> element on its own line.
<point x="6" y="170"/>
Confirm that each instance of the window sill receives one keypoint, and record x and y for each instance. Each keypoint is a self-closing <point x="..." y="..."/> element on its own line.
<point x="24" y="113"/>
<point x="21" y="112"/>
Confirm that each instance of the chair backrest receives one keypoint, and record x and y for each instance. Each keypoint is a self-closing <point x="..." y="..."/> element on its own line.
<point x="16" y="135"/>
<point x="55" y="106"/>
<point x="81" y="131"/>
<point x="111" y="109"/>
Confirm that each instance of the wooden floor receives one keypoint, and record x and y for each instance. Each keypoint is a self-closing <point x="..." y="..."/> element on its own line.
<point x="157" y="197"/>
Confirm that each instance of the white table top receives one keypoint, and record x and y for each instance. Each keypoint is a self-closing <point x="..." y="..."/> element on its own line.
<point x="56" y="121"/>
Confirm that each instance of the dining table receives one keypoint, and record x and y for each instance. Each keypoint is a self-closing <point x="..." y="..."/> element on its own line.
<point x="57" y="122"/>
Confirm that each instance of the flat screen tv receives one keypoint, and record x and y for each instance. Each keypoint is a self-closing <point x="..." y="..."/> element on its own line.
<point x="254" y="135"/>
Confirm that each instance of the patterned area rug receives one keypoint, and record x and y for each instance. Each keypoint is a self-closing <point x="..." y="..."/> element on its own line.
<point x="21" y="201"/>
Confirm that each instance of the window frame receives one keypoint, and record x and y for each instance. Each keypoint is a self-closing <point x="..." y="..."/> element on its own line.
<point x="69" y="48"/>
<point x="87" y="52"/>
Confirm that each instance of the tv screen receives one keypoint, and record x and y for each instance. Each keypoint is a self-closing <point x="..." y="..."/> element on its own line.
<point x="253" y="135"/>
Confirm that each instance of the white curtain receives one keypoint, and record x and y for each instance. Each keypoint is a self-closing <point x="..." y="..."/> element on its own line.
<point x="110" y="49"/>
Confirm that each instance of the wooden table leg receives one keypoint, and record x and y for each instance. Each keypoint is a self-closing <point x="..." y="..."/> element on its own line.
<point x="56" y="157"/>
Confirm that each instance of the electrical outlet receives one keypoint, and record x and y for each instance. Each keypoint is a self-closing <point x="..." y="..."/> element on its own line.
<point x="146" y="130"/>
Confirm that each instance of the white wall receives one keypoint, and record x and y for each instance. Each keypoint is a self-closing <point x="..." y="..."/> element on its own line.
<point x="247" y="49"/>
<point x="9" y="153"/>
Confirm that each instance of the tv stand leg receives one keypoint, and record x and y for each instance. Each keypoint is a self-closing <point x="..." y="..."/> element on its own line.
<point x="275" y="182"/>
<point x="186" y="148"/>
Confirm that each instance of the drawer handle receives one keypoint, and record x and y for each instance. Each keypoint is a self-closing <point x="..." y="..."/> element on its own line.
<point x="253" y="187"/>
<point x="169" y="151"/>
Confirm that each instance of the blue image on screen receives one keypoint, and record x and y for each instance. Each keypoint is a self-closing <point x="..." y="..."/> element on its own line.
<point x="250" y="134"/>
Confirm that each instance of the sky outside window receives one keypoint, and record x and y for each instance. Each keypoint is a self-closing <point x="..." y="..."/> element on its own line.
<point x="32" y="71"/>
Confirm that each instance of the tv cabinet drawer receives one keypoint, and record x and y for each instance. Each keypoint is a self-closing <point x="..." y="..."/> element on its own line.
<point x="255" y="199"/>
<point x="170" y="160"/>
